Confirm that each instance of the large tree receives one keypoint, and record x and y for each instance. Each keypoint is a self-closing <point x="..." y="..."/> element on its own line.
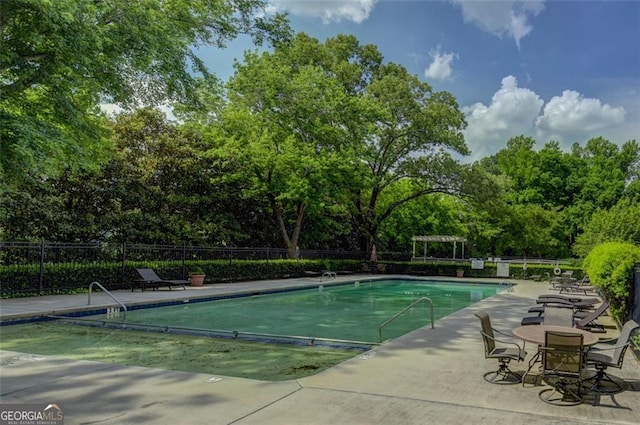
<point x="331" y="124"/>
<point x="552" y="194"/>
<point x="599" y="179"/>
<point x="293" y="123"/>
<point x="60" y="59"/>
<point x="412" y="131"/>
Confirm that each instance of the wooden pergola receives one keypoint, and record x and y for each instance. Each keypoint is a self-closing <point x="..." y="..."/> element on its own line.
<point x="425" y="239"/>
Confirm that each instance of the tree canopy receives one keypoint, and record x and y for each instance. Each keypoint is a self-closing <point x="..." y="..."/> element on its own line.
<point x="310" y="143"/>
<point x="60" y="59"/>
<point x="326" y="124"/>
<point x="562" y="189"/>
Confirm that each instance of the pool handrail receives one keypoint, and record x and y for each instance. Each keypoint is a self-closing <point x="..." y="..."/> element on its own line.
<point x="124" y="307"/>
<point x="327" y="275"/>
<point x="404" y="310"/>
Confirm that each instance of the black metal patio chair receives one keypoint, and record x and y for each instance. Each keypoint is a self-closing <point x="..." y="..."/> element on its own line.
<point x="150" y="278"/>
<point x="602" y="358"/>
<point x="562" y="365"/>
<point x="504" y="353"/>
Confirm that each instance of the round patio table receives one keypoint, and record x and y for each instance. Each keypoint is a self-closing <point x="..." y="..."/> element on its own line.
<point x="535" y="333"/>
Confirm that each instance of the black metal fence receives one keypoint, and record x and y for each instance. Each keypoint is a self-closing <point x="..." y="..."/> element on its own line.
<point x="53" y="252"/>
<point x="50" y="267"/>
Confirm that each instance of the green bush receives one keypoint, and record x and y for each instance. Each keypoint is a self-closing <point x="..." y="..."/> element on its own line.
<point x="610" y="267"/>
<point x="24" y="280"/>
<point x="66" y="278"/>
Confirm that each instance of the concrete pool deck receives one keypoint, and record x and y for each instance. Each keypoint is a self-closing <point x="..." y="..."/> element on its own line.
<point x="426" y="376"/>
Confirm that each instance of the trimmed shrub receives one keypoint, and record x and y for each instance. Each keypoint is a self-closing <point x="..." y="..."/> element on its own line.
<point x="610" y="267"/>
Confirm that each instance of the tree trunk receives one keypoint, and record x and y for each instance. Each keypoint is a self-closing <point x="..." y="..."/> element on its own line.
<point x="366" y="234"/>
<point x="290" y="242"/>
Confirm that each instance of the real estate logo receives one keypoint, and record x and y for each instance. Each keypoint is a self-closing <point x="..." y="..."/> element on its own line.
<point x="31" y="414"/>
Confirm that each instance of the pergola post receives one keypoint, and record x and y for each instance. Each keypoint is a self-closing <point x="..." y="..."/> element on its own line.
<point x="425" y="239"/>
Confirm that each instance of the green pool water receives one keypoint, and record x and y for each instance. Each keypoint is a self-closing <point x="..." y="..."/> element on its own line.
<point x="254" y="360"/>
<point x="347" y="312"/>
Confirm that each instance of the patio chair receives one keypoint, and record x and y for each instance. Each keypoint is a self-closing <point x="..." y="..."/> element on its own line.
<point x="572" y="285"/>
<point x="553" y="281"/>
<point x="589" y="322"/>
<point x="556" y="316"/>
<point x="562" y="362"/>
<point x="557" y="298"/>
<point x="601" y="358"/>
<point x="149" y="277"/>
<point x="577" y="305"/>
<point x="504" y="354"/>
<point x="580" y="305"/>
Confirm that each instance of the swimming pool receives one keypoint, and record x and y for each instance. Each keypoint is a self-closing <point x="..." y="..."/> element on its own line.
<point x="349" y="312"/>
<point x="182" y="338"/>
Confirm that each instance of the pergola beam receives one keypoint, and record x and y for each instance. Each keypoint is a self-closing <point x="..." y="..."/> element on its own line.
<point x="438" y="238"/>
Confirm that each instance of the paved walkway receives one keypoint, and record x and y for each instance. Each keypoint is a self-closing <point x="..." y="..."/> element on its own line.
<point x="427" y="376"/>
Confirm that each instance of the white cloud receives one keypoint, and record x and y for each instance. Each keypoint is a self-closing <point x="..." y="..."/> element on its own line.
<point x="516" y="110"/>
<point x="513" y="111"/>
<point x="502" y="17"/>
<point x="573" y="114"/>
<point x="440" y="67"/>
<point x="329" y="11"/>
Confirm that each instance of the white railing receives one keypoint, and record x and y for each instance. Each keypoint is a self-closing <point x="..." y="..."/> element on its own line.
<point x="124" y="307"/>
<point x="404" y="310"/>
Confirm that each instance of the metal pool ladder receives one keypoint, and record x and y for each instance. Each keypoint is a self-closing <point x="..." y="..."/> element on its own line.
<point x="404" y="310"/>
<point x="124" y="307"/>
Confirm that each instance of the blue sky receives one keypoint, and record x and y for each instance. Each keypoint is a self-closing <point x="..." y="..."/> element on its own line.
<point x="553" y="70"/>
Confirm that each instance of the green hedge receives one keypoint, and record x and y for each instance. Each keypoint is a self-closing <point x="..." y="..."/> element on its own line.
<point x="540" y="272"/>
<point x="66" y="278"/>
<point x="24" y="280"/>
<point x="610" y="267"/>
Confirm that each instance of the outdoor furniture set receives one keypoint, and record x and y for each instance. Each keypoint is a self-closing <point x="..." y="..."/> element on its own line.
<point x="573" y="359"/>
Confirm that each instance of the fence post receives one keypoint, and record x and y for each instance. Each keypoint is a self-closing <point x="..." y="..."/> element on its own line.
<point x="230" y="257"/>
<point x="268" y="272"/>
<point x="184" y="261"/>
<point x="635" y="314"/>
<point x="123" y="271"/>
<point x="41" y="276"/>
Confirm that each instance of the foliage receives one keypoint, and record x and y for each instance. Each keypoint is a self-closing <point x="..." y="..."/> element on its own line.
<point x="434" y="214"/>
<point x="618" y="224"/>
<point x="60" y="59"/>
<point x="531" y="231"/>
<point x="196" y="271"/>
<point x="550" y="195"/>
<point x="330" y="126"/>
<point x="610" y="267"/>
<point x="412" y="131"/>
<point x="71" y="277"/>
<point x="314" y="144"/>
<point x="168" y="191"/>
<point x="290" y="120"/>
